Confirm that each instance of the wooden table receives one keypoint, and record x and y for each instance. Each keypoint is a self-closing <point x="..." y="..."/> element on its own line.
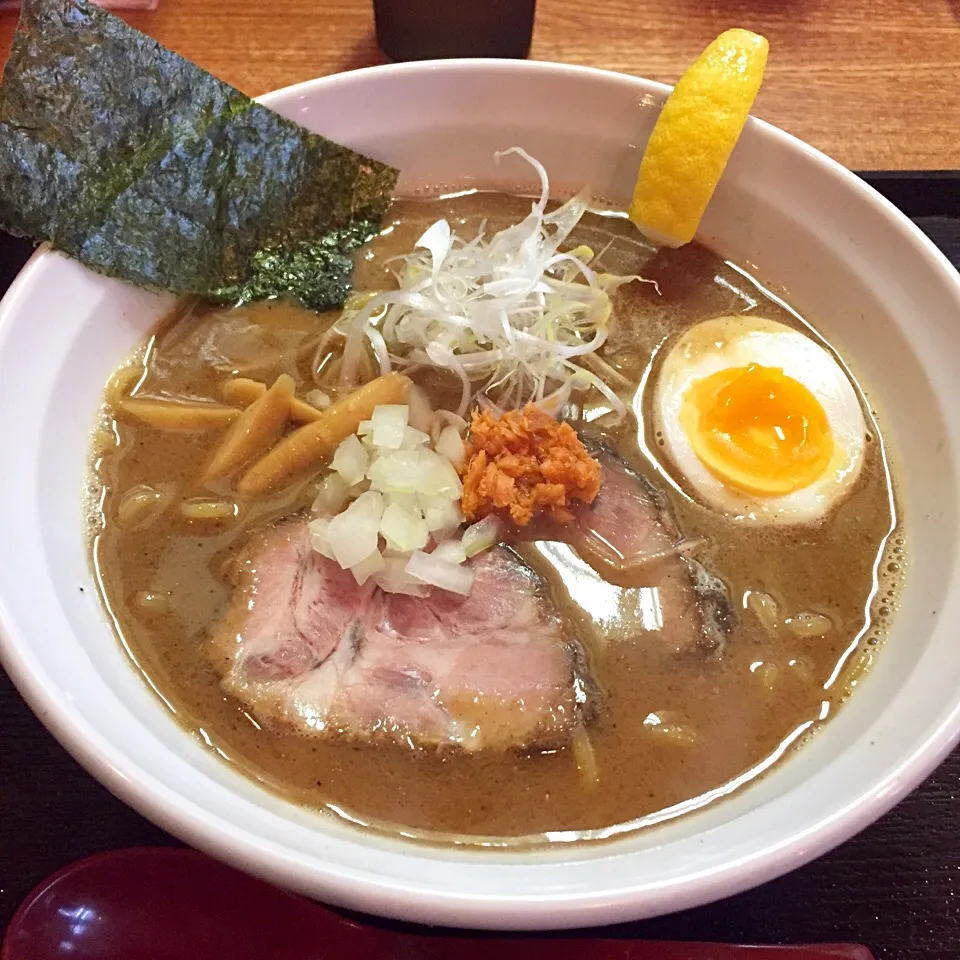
<point x="874" y="83"/>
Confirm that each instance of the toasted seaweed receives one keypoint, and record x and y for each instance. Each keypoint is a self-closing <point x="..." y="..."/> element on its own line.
<point x="142" y="166"/>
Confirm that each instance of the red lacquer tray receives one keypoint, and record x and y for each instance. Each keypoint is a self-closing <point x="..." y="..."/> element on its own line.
<point x="162" y="903"/>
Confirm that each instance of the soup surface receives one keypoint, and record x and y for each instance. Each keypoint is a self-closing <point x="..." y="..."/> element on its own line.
<point x="672" y="731"/>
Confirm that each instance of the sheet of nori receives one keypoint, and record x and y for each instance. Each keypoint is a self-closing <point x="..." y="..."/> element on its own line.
<point x="142" y="166"/>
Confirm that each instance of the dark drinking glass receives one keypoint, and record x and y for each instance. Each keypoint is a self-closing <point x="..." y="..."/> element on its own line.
<point x="441" y="29"/>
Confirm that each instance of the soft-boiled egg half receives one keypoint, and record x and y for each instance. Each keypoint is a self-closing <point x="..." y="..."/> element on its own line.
<point x="759" y="421"/>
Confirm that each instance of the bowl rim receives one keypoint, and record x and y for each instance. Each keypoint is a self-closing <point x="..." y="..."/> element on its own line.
<point x="127" y="779"/>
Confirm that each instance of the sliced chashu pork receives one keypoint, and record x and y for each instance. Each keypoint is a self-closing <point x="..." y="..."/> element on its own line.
<point x="304" y="644"/>
<point x="672" y="599"/>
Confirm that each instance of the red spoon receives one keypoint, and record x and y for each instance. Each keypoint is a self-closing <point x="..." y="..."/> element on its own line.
<point x="161" y="903"/>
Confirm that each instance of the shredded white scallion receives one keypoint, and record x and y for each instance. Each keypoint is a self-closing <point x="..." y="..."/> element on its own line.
<point x="509" y="315"/>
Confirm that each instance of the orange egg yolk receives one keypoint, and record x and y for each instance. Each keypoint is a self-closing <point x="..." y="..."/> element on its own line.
<point x="757" y="429"/>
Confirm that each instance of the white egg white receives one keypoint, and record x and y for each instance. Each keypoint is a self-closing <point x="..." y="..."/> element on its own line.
<point x="734" y="342"/>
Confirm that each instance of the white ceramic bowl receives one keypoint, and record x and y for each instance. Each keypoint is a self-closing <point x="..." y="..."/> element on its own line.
<point x="877" y="287"/>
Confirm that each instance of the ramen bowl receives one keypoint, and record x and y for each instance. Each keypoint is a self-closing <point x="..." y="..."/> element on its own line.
<point x="885" y="296"/>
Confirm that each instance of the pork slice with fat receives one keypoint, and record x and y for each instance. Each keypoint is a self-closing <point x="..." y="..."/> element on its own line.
<point x="668" y="594"/>
<point x="305" y="645"/>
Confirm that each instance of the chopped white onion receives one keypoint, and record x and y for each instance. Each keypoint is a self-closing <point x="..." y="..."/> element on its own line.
<point x="393" y="578"/>
<point x="368" y="506"/>
<point x="413" y="438"/>
<point x="415" y="471"/>
<point x="450" y="550"/>
<point x="450" y="445"/>
<point x="404" y="531"/>
<point x="320" y="537"/>
<point x="354" y="534"/>
<point x="481" y="536"/>
<point x="332" y="495"/>
<point x="399" y="472"/>
<point x="441" y="513"/>
<point x="438" y="476"/>
<point x="351" y="460"/>
<point x="443" y="534"/>
<point x="440" y="573"/>
<point x="409" y="502"/>
<point x="389" y="425"/>
<point x="404" y="493"/>
<point x="367" y="567"/>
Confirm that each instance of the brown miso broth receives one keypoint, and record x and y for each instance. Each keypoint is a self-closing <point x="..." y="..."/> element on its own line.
<point x="671" y="728"/>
